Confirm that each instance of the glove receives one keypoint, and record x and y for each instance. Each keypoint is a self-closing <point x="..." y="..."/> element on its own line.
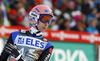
<point x="13" y="51"/>
<point x="34" y="54"/>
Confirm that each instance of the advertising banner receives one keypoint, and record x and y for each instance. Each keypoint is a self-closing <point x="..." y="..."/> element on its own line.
<point x="99" y="53"/>
<point x="6" y="31"/>
<point x="64" y="51"/>
<point x="58" y="35"/>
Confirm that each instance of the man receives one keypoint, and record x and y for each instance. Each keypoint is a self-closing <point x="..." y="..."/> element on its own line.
<point x="92" y="26"/>
<point x="30" y="45"/>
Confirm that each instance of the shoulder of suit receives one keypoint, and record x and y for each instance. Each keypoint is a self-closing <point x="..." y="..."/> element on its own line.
<point x="23" y="31"/>
<point x="44" y="39"/>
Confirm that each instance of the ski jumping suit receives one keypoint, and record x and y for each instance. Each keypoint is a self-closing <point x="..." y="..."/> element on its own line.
<point x="30" y="44"/>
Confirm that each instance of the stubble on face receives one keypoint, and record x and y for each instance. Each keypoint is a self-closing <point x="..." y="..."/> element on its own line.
<point x="42" y="26"/>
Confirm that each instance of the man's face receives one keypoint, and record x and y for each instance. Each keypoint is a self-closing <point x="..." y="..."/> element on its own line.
<point x="42" y="26"/>
<point x="93" y="23"/>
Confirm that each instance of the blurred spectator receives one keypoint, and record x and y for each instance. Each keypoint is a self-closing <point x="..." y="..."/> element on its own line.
<point x="3" y="15"/>
<point x="98" y="7"/>
<point x="64" y="5"/>
<point x="1" y="18"/>
<point x="85" y="7"/>
<point x="15" y="4"/>
<point x="92" y="26"/>
<point x="92" y="14"/>
<point x="68" y="14"/>
<point x="12" y="15"/>
<point x="78" y="4"/>
<point x="71" y="6"/>
<point x="96" y="3"/>
<point x="48" y="3"/>
<point x="84" y="19"/>
<point x="80" y="26"/>
<point x="36" y="2"/>
<point x="76" y="15"/>
<point x="21" y="8"/>
<point x="66" y="22"/>
<point x="98" y="10"/>
<point x="54" y="2"/>
<point x="24" y="2"/>
<point x="19" y="5"/>
<point x="98" y="16"/>
<point x="19" y="21"/>
<point x="72" y="24"/>
<point x="92" y="4"/>
<point x="65" y="25"/>
<point x="57" y="14"/>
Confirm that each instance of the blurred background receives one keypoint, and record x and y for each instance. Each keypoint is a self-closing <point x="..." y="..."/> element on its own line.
<point x="75" y="28"/>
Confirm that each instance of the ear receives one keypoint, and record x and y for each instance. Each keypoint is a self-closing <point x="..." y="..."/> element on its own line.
<point x="38" y="20"/>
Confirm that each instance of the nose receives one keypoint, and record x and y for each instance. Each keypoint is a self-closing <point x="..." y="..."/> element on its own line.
<point x="46" y="24"/>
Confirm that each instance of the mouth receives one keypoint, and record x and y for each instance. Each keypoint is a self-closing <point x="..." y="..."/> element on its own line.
<point x="44" y="27"/>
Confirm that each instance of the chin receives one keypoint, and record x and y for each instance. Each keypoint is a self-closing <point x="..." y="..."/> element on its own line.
<point x="42" y="30"/>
